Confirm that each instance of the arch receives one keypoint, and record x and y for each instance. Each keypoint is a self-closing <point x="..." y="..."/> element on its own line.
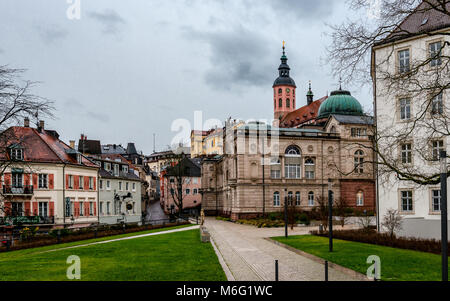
<point x="288" y="103"/>
<point x="311" y="198"/>
<point x="333" y="130"/>
<point x="293" y="150"/>
<point x="290" y="198"/>
<point x="310" y="168"/>
<point x="276" y="199"/>
<point x="280" y="91"/>
<point x="297" y="198"/>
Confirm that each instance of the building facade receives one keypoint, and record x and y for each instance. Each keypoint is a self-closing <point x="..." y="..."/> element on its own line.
<point x="398" y="108"/>
<point x="262" y="165"/>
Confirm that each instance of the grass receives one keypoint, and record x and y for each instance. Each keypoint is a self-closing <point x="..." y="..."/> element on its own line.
<point x="396" y="264"/>
<point x="169" y="257"/>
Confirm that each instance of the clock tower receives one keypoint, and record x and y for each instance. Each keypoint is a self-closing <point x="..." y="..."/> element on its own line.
<point x="283" y="90"/>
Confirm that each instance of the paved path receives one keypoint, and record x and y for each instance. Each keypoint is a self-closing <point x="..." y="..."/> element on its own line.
<point x="252" y="258"/>
<point x="155" y="212"/>
<point x="126" y="238"/>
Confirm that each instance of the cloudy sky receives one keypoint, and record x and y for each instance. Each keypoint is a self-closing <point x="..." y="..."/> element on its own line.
<point x="128" y="69"/>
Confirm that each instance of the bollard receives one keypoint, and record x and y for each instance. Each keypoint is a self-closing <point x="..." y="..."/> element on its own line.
<point x="276" y="270"/>
<point x="326" y="270"/>
<point x="58" y="236"/>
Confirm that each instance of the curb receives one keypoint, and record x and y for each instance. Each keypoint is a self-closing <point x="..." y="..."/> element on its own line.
<point x="350" y="272"/>
<point x="222" y="262"/>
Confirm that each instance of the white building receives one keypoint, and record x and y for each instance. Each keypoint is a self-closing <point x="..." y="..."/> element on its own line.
<point x="396" y="109"/>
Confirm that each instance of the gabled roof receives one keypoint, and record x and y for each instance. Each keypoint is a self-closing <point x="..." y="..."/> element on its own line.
<point x="89" y="147"/>
<point x="41" y="147"/>
<point x="188" y="168"/>
<point x="424" y="19"/>
<point x="304" y="114"/>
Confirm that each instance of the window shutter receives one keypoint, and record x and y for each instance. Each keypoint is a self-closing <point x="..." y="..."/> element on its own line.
<point x="76" y="182"/>
<point x="86" y="208"/>
<point x="35" y="209"/>
<point x="86" y="183"/>
<point x="51" y="181"/>
<point x="26" y="179"/>
<point x="67" y="181"/>
<point x="95" y="183"/>
<point x="35" y="181"/>
<point x="1" y="179"/>
<point x="8" y="208"/>
<point x="7" y="179"/>
<point x="77" y="209"/>
<point x="27" y="208"/>
<point x="52" y="208"/>
<point x="95" y="207"/>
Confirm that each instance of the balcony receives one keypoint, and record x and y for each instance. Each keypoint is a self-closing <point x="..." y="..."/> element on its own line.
<point x="27" y="220"/>
<point x="22" y="190"/>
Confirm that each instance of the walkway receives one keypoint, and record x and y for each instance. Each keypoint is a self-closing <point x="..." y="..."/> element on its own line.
<point x="252" y="258"/>
<point x="155" y="213"/>
<point x="125" y="238"/>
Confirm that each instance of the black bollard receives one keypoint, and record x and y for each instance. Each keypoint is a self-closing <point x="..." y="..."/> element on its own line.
<point x="276" y="270"/>
<point x="326" y="270"/>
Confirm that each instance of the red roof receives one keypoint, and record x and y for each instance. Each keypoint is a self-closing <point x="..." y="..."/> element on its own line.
<point x="40" y="146"/>
<point x="302" y="115"/>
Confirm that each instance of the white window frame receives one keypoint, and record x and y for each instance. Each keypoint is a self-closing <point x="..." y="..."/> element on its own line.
<point x="311" y="201"/>
<point x="276" y="199"/>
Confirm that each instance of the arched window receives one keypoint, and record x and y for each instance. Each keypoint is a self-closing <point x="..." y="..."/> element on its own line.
<point x="288" y="103"/>
<point x="290" y="198"/>
<point x="275" y="168"/>
<point x="333" y="130"/>
<point x="310" y="169"/>
<point x="297" y="198"/>
<point x="293" y="160"/>
<point x="276" y="199"/>
<point x="280" y="91"/>
<point x="311" y="198"/>
<point x="359" y="161"/>
<point x="280" y="103"/>
<point x="274" y="104"/>
<point x="360" y="198"/>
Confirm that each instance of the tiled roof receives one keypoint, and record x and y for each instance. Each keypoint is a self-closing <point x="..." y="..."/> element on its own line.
<point x="424" y="19"/>
<point x="113" y="149"/>
<point x="89" y="146"/>
<point x="42" y="147"/>
<point x="349" y="119"/>
<point x="302" y="115"/>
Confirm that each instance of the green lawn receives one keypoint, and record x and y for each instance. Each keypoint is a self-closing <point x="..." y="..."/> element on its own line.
<point x="175" y="256"/>
<point x="396" y="264"/>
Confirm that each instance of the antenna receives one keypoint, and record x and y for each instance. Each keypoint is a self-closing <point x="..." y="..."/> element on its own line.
<point x="154" y="143"/>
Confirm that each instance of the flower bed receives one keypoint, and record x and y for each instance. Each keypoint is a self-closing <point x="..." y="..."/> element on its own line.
<point x="384" y="239"/>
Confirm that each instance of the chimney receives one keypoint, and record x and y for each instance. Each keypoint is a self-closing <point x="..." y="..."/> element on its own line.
<point x="82" y="137"/>
<point x="72" y="144"/>
<point x="41" y="126"/>
<point x="26" y="122"/>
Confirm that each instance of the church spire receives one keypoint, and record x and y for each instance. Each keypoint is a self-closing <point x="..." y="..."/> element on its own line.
<point x="310" y="95"/>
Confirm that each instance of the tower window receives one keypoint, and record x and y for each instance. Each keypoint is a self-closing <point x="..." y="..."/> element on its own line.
<point x="280" y="103"/>
<point x="280" y="91"/>
<point x="288" y="103"/>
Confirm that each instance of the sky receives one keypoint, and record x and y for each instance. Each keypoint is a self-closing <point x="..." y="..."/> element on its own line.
<point x="126" y="70"/>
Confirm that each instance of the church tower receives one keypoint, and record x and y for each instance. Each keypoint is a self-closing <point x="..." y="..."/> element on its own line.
<point x="283" y="90"/>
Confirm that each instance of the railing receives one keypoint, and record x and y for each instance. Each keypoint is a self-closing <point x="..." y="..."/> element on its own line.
<point x="27" y="220"/>
<point x="22" y="190"/>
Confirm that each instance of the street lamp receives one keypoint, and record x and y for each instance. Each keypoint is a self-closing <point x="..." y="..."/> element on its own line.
<point x="330" y="214"/>
<point x="285" y="213"/>
<point x="444" y="237"/>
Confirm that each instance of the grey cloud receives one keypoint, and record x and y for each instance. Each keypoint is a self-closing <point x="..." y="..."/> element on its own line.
<point x="238" y="58"/>
<point x="1" y="51"/>
<point x="51" y="33"/>
<point x="98" y="116"/>
<point x="110" y="20"/>
<point x="306" y="9"/>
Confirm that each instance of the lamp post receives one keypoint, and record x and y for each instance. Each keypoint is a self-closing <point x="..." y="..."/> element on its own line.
<point x="330" y="214"/>
<point x="444" y="227"/>
<point x="285" y="214"/>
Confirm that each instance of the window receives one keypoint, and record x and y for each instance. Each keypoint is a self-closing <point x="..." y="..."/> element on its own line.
<point x="188" y="191"/>
<point x="72" y="208"/>
<point x="359" y="161"/>
<point x="275" y="168"/>
<point x="310" y="169"/>
<point x="108" y="211"/>
<point x="405" y="109"/>
<point x="134" y="187"/>
<point x="358" y="132"/>
<point x="120" y="186"/>
<point x="288" y="103"/>
<point x="438" y="146"/>
<point x="127" y="186"/>
<point x="16" y="154"/>
<point x="280" y="91"/>
<point x="435" y="54"/>
<point x="81" y="183"/>
<point x="437" y="106"/>
<point x="297" y="198"/>
<point x="406" y="201"/>
<point x="43" y="209"/>
<point x="43" y="181"/>
<point x="17" y="180"/>
<point x="108" y="185"/>
<point x="311" y="198"/>
<point x="195" y="191"/>
<point x="125" y="169"/>
<point x="436" y="200"/>
<point x="293" y="163"/>
<point x="290" y="198"/>
<point x="81" y="209"/>
<point x="116" y="170"/>
<point x="407" y="153"/>
<point x="100" y="184"/>
<point x="195" y="180"/>
<point x="107" y="166"/>
<point x="360" y="198"/>
<point x="101" y="208"/>
<point x="17" y="209"/>
<point x="91" y="183"/>
<point x="276" y="199"/>
<point x="404" y="61"/>
<point x="91" y="208"/>
<point x="280" y="103"/>
<point x="172" y="180"/>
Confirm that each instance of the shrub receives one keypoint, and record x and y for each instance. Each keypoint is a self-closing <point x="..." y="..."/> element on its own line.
<point x="384" y="239"/>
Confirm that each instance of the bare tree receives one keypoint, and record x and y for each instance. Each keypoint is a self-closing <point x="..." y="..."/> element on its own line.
<point x="425" y="79"/>
<point x="322" y="211"/>
<point x="392" y="222"/>
<point x="341" y="210"/>
<point x="177" y="176"/>
<point x="291" y="212"/>
<point x="17" y="102"/>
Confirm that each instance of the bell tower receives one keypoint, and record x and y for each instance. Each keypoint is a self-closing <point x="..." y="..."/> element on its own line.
<point x="283" y="90"/>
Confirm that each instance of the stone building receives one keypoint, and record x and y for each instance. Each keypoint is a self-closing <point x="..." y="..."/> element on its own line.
<point x="262" y="165"/>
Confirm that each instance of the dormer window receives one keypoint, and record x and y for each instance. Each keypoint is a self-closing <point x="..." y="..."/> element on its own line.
<point x="16" y="154"/>
<point x="125" y="169"/>
<point x="116" y="169"/>
<point x="79" y="158"/>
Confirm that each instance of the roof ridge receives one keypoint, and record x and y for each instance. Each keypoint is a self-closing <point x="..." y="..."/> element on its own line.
<point x="45" y="142"/>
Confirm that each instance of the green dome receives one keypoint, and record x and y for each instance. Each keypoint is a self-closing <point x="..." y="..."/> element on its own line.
<point x="340" y="103"/>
